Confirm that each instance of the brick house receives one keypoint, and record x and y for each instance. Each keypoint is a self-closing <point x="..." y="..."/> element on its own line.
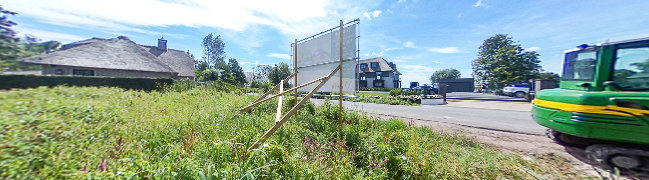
<point x="378" y="73"/>
<point x="116" y="57"/>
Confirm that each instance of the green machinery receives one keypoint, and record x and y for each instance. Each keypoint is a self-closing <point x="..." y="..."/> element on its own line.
<point x="602" y="104"/>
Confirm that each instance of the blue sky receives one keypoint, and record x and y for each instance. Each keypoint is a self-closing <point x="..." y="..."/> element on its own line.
<point x="419" y="36"/>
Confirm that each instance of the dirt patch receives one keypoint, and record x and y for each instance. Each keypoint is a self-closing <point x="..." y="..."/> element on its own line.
<point x="537" y="149"/>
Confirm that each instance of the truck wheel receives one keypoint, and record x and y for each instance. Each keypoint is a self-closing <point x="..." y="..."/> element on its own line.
<point x="567" y="140"/>
<point x="519" y="94"/>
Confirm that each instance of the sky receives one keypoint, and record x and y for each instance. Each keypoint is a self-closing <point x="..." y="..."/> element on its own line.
<point x="420" y="36"/>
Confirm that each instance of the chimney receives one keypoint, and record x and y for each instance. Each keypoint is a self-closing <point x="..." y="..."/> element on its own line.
<point x="162" y="44"/>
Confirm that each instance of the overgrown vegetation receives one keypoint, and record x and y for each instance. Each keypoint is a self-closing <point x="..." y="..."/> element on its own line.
<point x="97" y="133"/>
<point x="32" y="81"/>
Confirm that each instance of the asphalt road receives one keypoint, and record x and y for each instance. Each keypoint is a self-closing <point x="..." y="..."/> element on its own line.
<point x="501" y="120"/>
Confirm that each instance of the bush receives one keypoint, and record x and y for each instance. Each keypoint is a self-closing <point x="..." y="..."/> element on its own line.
<point x="376" y="89"/>
<point x="32" y="81"/>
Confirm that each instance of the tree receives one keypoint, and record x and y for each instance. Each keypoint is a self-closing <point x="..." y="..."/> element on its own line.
<point x="278" y="73"/>
<point x="445" y="74"/>
<point x="548" y="75"/>
<point x="213" y="50"/>
<point x="501" y="62"/>
<point x="12" y="48"/>
<point x="9" y="47"/>
<point x="236" y="72"/>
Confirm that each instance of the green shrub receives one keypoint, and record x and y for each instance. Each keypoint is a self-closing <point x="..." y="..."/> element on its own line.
<point x="33" y="81"/>
<point x="376" y="89"/>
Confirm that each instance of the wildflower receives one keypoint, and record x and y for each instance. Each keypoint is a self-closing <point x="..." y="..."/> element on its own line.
<point x="103" y="165"/>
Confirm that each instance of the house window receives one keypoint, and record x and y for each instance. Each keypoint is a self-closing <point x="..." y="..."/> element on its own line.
<point x="374" y="64"/>
<point x="364" y="66"/>
<point x="83" y="72"/>
<point x="379" y="75"/>
<point x="378" y="83"/>
<point x="59" y="72"/>
<point x="362" y="77"/>
<point x="385" y="74"/>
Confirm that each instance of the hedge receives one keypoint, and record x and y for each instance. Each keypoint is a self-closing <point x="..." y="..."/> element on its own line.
<point x="32" y="81"/>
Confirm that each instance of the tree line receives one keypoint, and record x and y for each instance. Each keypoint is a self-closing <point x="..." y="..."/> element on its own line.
<point x="500" y="62"/>
<point x="212" y="67"/>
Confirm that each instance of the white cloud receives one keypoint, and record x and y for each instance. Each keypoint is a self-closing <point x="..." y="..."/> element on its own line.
<point x="290" y="17"/>
<point x="279" y="55"/>
<point x="478" y="3"/>
<point x="445" y="50"/>
<point x="533" y="48"/>
<point x="48" y="35"/>
<point x="373" y="14"/>
<point x="409" y="44"/>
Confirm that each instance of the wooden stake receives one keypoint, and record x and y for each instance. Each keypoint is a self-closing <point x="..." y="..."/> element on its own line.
<point x="279" y="102"/>
<point x="271" y="97"/>
<point x="340" y="66"/>
<point x="295" y="69"/>
<point x="292" y="111"/>
<point x="273" y="89"/>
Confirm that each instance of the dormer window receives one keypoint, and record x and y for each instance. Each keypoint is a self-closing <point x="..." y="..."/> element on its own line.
<point x="374" y="65"/>
<point x="364" y="66"/>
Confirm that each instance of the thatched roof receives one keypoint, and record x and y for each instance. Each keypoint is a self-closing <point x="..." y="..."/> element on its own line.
<point x="118" y="53"/>
<point x="179" y="61"/>
<point x="383" y="66"/>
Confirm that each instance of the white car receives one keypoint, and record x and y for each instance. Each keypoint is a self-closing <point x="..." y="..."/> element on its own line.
<point x="517" y="90"/>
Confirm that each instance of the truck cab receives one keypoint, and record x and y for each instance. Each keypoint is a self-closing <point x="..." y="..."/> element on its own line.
<point x="603" y="93"/>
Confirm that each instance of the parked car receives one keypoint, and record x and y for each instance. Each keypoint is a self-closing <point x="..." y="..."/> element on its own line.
<point x="517" y="90"/>
<point x="427" y="89"/>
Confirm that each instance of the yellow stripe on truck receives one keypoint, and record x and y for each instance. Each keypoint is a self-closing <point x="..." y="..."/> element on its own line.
<point x="606" y="110"/>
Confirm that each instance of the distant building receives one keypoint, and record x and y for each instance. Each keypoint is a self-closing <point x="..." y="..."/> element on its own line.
<point x="378" y="73"/>
<point x="116" y="57"/>
<point x="458" y="85"/>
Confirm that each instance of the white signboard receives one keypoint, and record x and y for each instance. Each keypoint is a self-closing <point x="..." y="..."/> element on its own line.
<point x="319" y="56"/>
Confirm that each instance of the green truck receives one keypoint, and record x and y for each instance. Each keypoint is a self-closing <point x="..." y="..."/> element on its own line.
<point x="602" y="104"/>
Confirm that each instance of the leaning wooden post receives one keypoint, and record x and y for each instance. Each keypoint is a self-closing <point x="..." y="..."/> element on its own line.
<point x="295" y="68"/>
<point x="280" y="101"/>
<point x="293" y="110"/>
<point x="340" y="65"/>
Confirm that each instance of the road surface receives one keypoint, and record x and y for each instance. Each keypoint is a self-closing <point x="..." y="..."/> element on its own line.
<point x="501" y="120"/>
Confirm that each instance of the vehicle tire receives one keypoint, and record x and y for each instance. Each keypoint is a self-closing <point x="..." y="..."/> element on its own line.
<point x="519" y="94"/>
<point x="568" y="140"/>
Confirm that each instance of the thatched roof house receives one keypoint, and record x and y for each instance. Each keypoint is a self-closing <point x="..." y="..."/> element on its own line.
<point x="117" y="57"/>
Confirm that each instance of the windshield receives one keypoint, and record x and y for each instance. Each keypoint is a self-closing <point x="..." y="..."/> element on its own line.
<point x="632" y="68"/>
<point x="580" y="65"/>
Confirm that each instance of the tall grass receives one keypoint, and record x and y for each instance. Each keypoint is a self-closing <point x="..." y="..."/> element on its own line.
<point x="74" y="133"/>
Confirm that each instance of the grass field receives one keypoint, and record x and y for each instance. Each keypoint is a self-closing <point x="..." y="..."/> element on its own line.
<point x="75" y="133"/>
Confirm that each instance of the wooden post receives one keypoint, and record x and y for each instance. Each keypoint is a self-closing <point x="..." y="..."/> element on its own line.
<point x="279" y="101"/>
<point x="340" y="66"/>
<point x="293" y="110"/>
<point x="295" y="69"/>
<point x="244" y="109"/>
